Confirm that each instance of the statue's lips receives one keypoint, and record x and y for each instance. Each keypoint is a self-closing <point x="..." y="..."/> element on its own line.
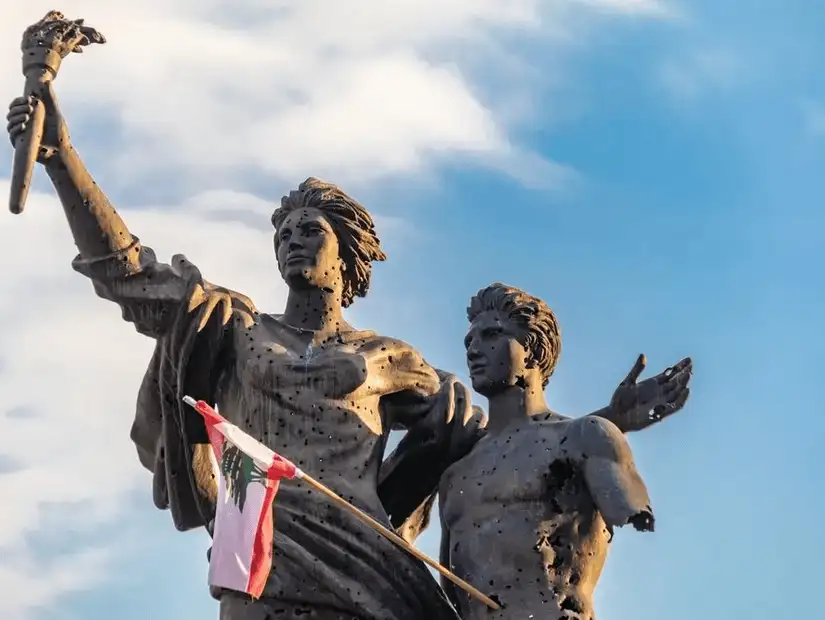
<point x="477" y="367"/>
<point x="296" y="258"/>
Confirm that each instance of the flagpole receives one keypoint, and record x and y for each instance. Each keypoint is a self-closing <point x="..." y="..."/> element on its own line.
<point x="265" y="458"/>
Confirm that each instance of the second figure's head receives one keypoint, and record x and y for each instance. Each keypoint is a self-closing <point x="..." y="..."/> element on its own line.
<point x="513" y="340"/>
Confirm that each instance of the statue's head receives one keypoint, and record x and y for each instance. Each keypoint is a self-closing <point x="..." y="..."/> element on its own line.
<point x="326" y="240"/>
<point x="514" y="339"/>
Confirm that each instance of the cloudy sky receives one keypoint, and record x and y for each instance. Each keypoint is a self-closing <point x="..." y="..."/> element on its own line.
<point x="653" y="169"/>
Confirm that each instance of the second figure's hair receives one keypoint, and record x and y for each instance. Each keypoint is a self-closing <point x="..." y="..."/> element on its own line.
<point x="540" y="332"/>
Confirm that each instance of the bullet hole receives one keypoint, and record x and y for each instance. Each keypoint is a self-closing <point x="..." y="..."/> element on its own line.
<point x="495" y="598"/>
<point x="572" y="603"/>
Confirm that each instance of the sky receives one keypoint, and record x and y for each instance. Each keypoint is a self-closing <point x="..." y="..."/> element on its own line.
<point x="652" y="169"/>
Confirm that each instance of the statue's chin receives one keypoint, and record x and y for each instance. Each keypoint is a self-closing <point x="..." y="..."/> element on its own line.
<point x="483" y="386"/>
<point x="297" y="278"/>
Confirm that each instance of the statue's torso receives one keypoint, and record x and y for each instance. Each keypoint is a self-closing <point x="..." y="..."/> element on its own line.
<point x="319" y="407"/>
<point x="523" y="525"/>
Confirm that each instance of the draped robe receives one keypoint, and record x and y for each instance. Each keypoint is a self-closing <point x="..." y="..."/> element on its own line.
<point x="329" y="409"/>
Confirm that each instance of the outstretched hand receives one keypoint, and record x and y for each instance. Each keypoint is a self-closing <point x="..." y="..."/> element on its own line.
<point x="638" y="405"/>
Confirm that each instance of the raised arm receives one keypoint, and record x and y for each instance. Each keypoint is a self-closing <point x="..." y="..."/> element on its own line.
<point x="611" y="476"/>
<point x="97" y="228"/>
<point x="148" y="291"/>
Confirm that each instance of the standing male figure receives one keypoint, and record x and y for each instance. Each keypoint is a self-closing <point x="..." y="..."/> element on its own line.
<point x="529" y="513"/>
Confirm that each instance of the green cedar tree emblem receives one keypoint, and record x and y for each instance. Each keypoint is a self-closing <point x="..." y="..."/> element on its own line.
<point x="239" y="471"/>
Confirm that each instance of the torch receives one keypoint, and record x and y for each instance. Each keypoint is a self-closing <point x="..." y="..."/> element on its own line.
<point x="45" y="45"/>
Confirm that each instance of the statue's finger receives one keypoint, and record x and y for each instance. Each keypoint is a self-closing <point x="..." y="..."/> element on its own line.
<point x="636" y="371"/>
<point x="670" y="371"/>
<point x="16" y="132"/>
<point x="676" y="382"/>
<point x="53" y="16"/>
<point x="197" y="298"/>
<point x="20" y="102"/>
<point x="207" y="310"/>
<point x="226" y="307"/>
<point x="48" y="21"/>
<point x="75" y="38"/>
<point x="18" y="118"/>
<point x="245" y="301"/>
<point x="246" y="319"/>
<point x="677" y="401"/>
<point x="50" y="26"/>
<point x="92" y="35"/>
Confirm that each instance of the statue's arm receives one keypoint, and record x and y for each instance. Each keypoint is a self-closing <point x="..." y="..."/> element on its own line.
<point x="442" y="426"/>
<point x="97" y="228"/>
<point x="609" y="413"/>
<point x="148" y="291"/>
<point x="407" y="384"/>
<point x="611" y="475"/>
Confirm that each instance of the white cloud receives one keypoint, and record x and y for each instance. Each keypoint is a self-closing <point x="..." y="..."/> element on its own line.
<point x="344" y="88"/>
<point x="71" y="370"/>
<point x="646" y="8"/>
<point x="213" y="91"/>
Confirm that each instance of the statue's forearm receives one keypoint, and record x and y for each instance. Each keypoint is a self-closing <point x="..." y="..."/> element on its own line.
<point x="97" y="228"/>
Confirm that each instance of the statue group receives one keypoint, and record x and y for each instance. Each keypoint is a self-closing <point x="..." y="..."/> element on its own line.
<point x="528" y="499"/>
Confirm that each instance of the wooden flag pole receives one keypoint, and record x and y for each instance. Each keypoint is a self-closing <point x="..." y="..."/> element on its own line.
<point x="265" y="457"/>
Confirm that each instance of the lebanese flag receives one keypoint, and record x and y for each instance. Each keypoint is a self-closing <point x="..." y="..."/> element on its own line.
<point x="249" y="474"/>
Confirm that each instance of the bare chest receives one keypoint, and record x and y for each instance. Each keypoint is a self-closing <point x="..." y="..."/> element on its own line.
<point x="522" y="467"/>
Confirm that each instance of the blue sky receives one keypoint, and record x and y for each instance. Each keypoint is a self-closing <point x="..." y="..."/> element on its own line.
<point x="692" y="227"/>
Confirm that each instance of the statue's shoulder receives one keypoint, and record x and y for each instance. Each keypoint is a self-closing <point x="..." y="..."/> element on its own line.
<point x="597" y="436"/>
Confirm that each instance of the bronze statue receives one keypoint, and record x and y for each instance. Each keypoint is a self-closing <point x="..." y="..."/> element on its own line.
<point x="529" y="512"/>
<point x="304" y="382"/>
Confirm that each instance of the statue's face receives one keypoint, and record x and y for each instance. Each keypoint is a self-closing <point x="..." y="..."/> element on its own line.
<point x="495" y="358"/>
<point x="307" y="251"/>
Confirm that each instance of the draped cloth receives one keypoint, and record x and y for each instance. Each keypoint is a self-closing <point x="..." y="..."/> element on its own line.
<point x="323" y="556"/>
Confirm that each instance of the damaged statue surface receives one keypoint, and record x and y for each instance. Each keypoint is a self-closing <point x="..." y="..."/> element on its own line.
<point x="304" y="382"/>
<point x="530" y="511"/>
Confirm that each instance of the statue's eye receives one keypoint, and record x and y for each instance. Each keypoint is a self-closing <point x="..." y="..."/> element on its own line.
<point x="491" y="332"/>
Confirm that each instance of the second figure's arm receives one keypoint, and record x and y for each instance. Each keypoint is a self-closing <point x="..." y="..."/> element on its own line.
<point x="611" y="476"/>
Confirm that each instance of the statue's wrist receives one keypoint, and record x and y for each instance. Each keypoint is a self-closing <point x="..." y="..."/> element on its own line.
<point x="56" y="159"/>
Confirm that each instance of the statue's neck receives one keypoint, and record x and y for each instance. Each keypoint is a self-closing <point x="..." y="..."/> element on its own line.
<point x="315" y="309"/>
<point x="515" y="405"/>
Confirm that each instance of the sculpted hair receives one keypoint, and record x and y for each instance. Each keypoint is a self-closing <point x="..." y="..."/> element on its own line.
<point x="539" y="334"/>
<point x="358" y="242"/>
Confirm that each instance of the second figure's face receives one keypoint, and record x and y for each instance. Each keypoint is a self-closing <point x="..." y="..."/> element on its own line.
<point x="308" y="252"/>
<point x="495" y="358"/>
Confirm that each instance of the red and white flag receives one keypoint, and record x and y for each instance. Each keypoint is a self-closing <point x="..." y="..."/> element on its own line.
<point x="249" y="474"/>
